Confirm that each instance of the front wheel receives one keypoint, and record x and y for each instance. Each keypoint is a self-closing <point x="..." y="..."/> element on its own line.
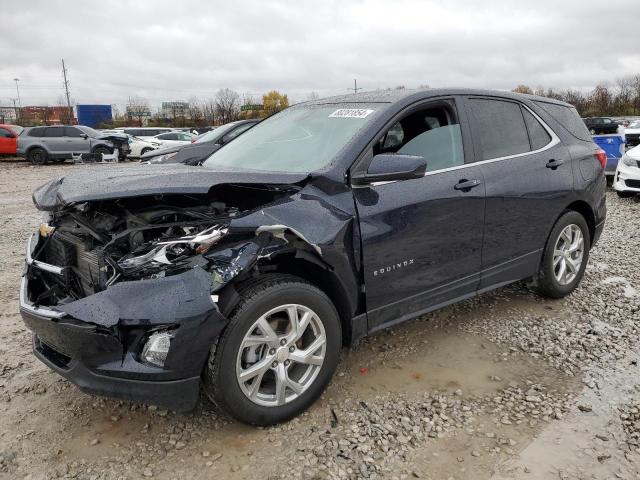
<point x="102" y="151"/>
<point x="565" y="257"/>
<point x="278" y="352"/>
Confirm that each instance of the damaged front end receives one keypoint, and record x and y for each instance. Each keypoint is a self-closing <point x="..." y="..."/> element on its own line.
<point x="122" y="294"/>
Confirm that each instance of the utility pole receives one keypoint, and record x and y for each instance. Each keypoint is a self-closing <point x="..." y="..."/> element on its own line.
<point x="66" y="89"/>
<point x="18" y="91"/>
<point x="15" y="109"/>
<point x="355" y="86"/>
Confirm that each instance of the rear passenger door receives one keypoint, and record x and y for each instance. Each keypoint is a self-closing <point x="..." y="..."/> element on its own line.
<point x="528" y="178"/>
<point x="55" y="141"/>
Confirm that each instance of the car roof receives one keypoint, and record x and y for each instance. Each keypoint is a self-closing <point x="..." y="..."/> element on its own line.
<point x="406" y="95"/>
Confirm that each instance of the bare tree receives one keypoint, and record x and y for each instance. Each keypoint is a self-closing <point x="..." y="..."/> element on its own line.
<point x="227" y="105"/>
<point x="313" y="96"/>
<point x="209" y="111"/>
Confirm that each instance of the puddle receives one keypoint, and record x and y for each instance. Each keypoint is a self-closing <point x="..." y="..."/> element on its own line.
<point x="446" y="362"/>
<point x="574" y="447"/>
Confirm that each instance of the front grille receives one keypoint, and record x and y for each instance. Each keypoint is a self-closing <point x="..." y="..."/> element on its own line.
<point x="84" y="268"/>
<point x="632" y="183"/>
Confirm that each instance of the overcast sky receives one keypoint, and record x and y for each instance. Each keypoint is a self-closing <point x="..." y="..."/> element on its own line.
<point x="163" y="50"/>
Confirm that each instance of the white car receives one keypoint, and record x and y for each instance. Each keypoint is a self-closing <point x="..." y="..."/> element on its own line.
<point x="627" y="179"/>
<point x="174" y="139"/>
<point x="141" y="146"/>
<point x="632" y="133"/>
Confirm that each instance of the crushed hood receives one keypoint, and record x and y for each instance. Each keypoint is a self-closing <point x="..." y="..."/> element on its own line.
<point x="144" y="180"/>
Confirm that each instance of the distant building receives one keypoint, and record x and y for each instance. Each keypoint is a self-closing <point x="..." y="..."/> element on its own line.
<point x="7" y="115"/>
<point x="175" y="109"/>
<point x="46" y="115"/>
<point x="94" y="115"/>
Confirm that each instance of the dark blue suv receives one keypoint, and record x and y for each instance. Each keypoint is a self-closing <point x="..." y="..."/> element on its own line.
<point x="328" y="221"/>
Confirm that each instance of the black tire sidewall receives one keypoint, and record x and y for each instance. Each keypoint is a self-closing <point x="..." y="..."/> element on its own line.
<point x="102" y="150"/>
<point x="43" y="155"/>
<point x="227" y="391"/>
<point x="547" y="280"/>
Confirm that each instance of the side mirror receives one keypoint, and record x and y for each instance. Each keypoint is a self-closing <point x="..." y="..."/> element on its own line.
<point x="84" y="135"/>
<point x="389" y="167"/>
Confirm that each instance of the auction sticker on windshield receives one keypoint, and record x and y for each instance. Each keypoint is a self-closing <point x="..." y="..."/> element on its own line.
<point x="351" y="113"/>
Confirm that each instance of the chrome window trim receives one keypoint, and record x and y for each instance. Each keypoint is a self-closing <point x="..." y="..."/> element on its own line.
<point x="555" y="140"/>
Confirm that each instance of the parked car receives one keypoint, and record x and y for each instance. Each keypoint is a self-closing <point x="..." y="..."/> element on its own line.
<point x="58" y="143"/>
<point x="9" y="139"/>
<point x="203" y="146"/>
<point x="632" y="133"/>
<point x="627" y="178"/>
<point x="245" y="276"/>
<point x="174" y="139"/>
<point x="145" y="132"/>
<point x="601" y="125"/>
<point x="139" y="146"/>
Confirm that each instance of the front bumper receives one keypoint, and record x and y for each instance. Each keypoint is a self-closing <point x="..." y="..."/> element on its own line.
<point x="96" y="342"/>
<point x="627" y="179"/>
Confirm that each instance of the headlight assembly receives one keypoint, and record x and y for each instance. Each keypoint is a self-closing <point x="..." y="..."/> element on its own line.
<point x="628" y="161"/>
<point x="164" y="253"/>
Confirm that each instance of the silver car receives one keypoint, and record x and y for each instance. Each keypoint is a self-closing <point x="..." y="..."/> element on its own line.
<point x="58" y="143"/>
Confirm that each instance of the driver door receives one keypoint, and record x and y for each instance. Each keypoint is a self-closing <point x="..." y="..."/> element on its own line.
<point x="422" y="238"/>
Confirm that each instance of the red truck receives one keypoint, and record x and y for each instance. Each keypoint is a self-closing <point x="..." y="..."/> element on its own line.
<point x="9" y="139"/>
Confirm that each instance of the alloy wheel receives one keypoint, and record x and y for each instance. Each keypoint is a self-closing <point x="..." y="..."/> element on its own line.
<point x="568" y="254"/>
<point x="281" y="355"/>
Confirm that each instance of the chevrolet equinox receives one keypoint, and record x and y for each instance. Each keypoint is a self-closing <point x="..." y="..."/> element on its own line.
<point x="330" y="220"/>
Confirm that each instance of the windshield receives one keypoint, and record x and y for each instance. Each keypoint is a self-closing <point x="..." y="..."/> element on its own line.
<point x="635" y="124"/>
<point x="215" y="133"/>
<point x="298" y="139"/>
<point x="17" y="129"/>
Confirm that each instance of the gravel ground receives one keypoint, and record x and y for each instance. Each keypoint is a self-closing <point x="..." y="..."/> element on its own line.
<point x="507" y="385"/>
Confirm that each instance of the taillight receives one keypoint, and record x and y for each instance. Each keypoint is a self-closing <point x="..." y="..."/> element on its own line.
<point x="601" y="155"/>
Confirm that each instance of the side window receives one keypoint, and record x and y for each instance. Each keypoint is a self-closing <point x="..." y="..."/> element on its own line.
<point x="166" y="136"/>
<point x="538" y="136"/>
<point x="36" y="132"/>
<point x="72" y="132"/>
<point x="500" y="128"/>
<point x="234" y="133"/>
<point x="184" y="137"/>
<point x="54" y="132"/>
<point x="5" y="133"/>
<point x="433" y="133"/>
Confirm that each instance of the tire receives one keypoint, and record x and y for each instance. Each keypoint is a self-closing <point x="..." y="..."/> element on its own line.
<point x="102" y="150"/>
<point x="625" y="194"/>
<point x="227" y="358"/>
<point x="610" y="179"/>
<point x="38" y="156"/>
<point x="546" y="282"/>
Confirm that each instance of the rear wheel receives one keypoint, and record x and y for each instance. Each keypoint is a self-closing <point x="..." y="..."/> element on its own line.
<point x="278" y="353"/>
<point x="565" y="257"/>
<point x="38" y="156"/>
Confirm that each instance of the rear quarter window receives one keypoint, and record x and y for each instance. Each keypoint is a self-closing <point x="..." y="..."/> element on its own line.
<point x="569" y="119"/>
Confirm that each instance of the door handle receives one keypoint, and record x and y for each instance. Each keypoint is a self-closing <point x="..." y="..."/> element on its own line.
<point x="466" y="185"/>
<point x="553" y="163"/>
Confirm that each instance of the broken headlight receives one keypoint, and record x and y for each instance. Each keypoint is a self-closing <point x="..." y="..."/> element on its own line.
<point x="156" y="348"/>
<point x="164" y="253"/>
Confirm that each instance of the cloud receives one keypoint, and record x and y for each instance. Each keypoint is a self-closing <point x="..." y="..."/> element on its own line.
<point x="164" y="50"/>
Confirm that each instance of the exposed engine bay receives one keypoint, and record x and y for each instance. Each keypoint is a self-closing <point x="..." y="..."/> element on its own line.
<point x="105" y="242"/>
